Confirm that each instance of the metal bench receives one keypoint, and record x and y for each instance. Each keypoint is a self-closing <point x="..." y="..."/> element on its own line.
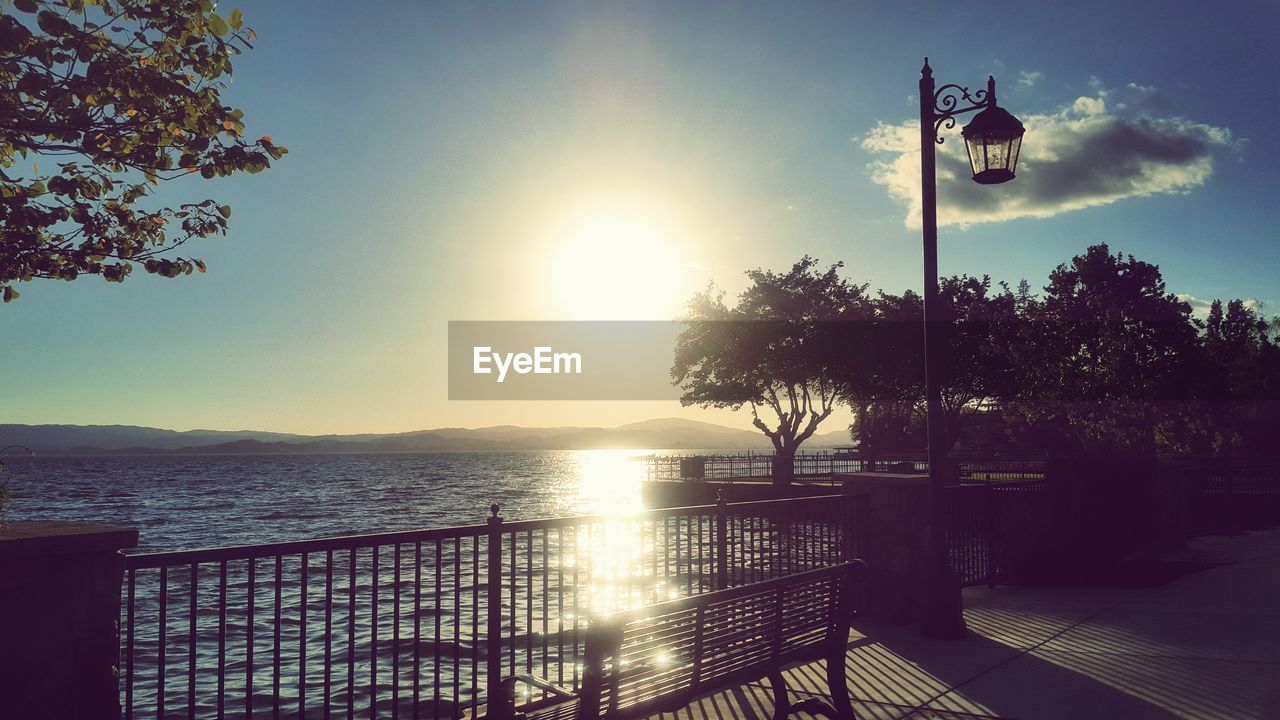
<point x="662" y="657"/>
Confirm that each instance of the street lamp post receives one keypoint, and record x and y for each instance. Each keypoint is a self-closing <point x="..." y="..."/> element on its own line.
<point x="993" y="140"/>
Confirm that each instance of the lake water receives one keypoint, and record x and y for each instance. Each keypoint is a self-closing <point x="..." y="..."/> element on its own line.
<point x="180" y="502"/>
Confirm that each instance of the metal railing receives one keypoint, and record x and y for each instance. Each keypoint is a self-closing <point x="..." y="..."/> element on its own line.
<point x="996" y="529"/>
<point x="418" y="624"/>
<point x="820" y="468"/>
<point x="1231" y="498"/>
<point x="990" y="524"/>
<point x="812" y="467"/>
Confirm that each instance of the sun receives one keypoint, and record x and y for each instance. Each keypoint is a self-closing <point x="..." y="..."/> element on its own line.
<point x="618" y="264"/>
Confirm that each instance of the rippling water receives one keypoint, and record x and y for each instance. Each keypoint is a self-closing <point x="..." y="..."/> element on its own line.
<point x="181" y="502"/>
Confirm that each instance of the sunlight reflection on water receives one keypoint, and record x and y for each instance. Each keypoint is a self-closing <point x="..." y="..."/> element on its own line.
<point x="603" y="482"/>
<point x="180" y="502"/>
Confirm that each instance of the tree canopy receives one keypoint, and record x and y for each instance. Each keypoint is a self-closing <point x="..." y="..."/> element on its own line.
<point x="1103" y="355"/>
<point x="883" y="361"/>
<point x="1106" y="360"/>
<point x="769" y="351"/>
<point x="100" y="101"/>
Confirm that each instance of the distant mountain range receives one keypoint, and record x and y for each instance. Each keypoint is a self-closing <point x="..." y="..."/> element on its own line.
<point x="665" y="433"/>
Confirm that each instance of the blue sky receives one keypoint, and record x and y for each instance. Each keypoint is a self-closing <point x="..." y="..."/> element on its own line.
<point x="462" y="161"/>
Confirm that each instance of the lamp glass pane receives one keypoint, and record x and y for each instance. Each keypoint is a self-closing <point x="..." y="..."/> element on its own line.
<point x="997" y="153"/>
<point x="977" y="156"/>
<point x="1013" y="152"/>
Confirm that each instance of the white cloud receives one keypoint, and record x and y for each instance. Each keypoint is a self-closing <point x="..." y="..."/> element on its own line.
<point x="1027" y="79"/>
<point x="1087" y="154"/>
<point x="1086" y="106"/>
<point x="1200" y="306"/>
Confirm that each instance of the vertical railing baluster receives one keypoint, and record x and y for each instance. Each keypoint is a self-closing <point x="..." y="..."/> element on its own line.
<point x="250" y="593"/>
<point x="720" y="548"/>
<point x="192" y="621"/>
<point x="305" y="580"/>
<point x="545" y="598"/>
<point x="515" y="600"/>
<point x="528" y="600"/>
<point x="328" y="633"/>
<point x="577" y="612"/>
<point x="373" y="638"/>
<point x="560" y="605"/>
<point x="395" y="639"/>
<point x="417" y="628"/>
<point x="475" y="625"/>
<point x="993" y="543"/>
<point x="351" y="636"/>
<point x="222" y="639"/>
<point x="160" y="649"/>
<point x="129" y="642"/>
<point x="689" y="554"/>
<point x="457" y="626"/>
<point x="436" y="639"/>
<point x="275" y="638"/>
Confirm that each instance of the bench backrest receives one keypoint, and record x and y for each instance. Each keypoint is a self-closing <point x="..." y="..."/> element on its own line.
<point x="659" y="657"/>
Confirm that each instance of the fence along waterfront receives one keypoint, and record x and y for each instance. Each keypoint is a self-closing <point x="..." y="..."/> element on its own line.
<point x="418" y="624"/>
<point x="822" y="467"/>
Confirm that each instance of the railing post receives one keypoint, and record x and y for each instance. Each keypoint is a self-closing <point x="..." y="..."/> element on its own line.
<point x="721" y="542"/>
<point x="848" y="510"/>
<point x="989" y="510"/>
<point x="493" y="625"/>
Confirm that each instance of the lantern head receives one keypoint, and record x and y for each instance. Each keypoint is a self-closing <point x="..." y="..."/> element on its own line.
<point x="993" y="139"/>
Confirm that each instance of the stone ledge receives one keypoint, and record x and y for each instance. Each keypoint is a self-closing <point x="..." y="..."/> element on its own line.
<point x="60" y="537"/>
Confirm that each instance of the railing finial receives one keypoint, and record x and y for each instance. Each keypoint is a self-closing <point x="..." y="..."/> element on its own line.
<point x="493" y="510"/>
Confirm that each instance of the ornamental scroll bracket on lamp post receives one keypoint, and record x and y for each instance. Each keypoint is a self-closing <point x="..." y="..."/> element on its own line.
<point x="993" y="140"/>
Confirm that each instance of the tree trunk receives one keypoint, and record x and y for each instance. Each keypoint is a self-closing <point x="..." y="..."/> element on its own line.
<point x="784" y="467"/>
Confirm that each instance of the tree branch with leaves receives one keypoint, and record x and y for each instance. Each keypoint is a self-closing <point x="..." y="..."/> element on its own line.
<point x="106" y="99"/>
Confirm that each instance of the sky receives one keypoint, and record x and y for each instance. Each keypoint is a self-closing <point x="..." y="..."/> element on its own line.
<point x="599" y="161"/>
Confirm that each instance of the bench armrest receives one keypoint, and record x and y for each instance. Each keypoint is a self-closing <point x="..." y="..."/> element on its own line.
<point x="534" y="680"/>
<point x="504" y="705"/>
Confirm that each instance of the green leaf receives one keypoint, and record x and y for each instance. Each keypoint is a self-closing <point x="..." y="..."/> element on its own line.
<point x="217" y="25"/>
<point x="225" y="210"/>
<point x="235" y="19"/>
<point x="10" y="294"/>
<point x="52" y="24"/>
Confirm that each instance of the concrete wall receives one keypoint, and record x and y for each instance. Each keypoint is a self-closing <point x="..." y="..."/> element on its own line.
<point x="60" y="608"/>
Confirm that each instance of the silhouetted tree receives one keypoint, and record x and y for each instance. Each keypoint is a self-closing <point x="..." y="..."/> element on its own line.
<point x="1242" y="387"/>
<point x="772" y="351"/>
<point x="1104" y="355"/>
<point x="99" y="102"/>
<point x="884" y="382"/>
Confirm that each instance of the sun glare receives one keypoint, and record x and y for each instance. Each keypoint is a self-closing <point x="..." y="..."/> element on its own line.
<point x="619" y="264"/>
